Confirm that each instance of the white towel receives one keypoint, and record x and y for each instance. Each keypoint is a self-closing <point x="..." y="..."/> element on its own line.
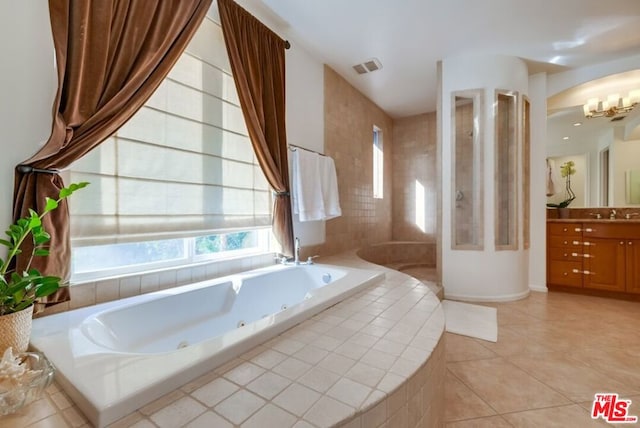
<point x="306" y="186"/>
<point x="330" y="188"/>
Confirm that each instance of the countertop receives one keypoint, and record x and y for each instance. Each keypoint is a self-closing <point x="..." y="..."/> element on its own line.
<point x="595" y="220"/>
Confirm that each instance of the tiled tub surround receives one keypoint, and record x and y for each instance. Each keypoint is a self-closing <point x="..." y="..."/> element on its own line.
<point x="109" y="289"/>
<point x="116" y="357"/>
<point x="374" y="359"/>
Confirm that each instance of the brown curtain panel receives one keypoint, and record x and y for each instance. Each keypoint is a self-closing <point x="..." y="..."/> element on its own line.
<point x="257" y="62"/>
<point x="111" y="56"/>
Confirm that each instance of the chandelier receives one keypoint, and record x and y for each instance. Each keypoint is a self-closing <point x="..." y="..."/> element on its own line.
<point x="612" y="106"/>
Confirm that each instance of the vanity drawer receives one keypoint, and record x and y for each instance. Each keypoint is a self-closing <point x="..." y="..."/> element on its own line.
<point x="613" y="230"/>
<point x="565" y="273"/>
<point x="565" y="229"/>
<point x="566" y="254"/>
<point x="572" y="242"/>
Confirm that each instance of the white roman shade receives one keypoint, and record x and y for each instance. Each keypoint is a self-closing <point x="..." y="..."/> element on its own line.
<point x="182" y="166"/>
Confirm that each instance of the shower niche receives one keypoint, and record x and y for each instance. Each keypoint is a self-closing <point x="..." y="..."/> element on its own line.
<point x="510" y="155"/>
<point x="467" y="149"/>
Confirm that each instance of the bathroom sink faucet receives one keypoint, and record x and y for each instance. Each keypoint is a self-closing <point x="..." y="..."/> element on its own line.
<point x="628" y="216"/>
<point x="612" y="215"/>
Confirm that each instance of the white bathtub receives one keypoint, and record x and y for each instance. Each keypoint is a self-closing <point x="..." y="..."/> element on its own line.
<point x="115" y="357"/>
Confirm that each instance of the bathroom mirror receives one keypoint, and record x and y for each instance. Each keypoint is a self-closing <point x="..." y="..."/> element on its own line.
<point x="633" y="187"/>
<point x="506" y="169"/>
<point x="466" y="209"/>
<point x="610" y="146"/>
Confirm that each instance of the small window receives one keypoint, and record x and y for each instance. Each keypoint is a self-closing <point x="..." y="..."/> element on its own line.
<point x="101" y="261"/>
<point x="378" y="164"/>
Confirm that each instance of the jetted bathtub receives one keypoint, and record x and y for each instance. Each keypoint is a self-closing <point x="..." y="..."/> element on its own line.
<point x="115" y="357"/>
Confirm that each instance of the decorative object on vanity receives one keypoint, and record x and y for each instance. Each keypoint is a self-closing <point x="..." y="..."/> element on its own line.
<point x="19" y="290"/>
<point x="23" y="377"/>
<point x="566" y="170"/>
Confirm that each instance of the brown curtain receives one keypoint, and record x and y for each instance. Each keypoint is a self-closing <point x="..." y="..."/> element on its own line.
<point x="111" y="56"/>
<point x="257" y="62"/>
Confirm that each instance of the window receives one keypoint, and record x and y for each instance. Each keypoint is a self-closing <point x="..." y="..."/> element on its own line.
<point x="179" y="182"/>
<point x="378" y="164"/>
<point x="118" y="259"/>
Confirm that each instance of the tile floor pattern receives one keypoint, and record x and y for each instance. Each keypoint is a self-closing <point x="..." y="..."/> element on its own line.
<point x="554" y="352"/>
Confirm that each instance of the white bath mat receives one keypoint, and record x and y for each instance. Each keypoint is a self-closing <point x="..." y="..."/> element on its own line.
<point x="471" y="320"/>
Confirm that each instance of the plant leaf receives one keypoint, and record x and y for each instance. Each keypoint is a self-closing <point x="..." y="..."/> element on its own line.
<point x="41" y="252"/>
<point x="25" y="304"/>
<point x="41" y="237"/>
<point x="47" y="289"/>
<point x="6" y="244"/>
<point x="34" y="220"/>
<point x="51" y="205"/>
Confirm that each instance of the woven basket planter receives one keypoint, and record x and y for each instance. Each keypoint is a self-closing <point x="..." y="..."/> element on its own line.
<point x="15" y="330"/>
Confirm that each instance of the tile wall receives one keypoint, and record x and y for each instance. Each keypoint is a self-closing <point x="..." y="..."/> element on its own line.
<point x="415" y="177"/>
<point x="349" y="119"/>
<point x="91" y="293"/>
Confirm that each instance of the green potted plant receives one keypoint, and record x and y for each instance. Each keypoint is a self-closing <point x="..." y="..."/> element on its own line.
<point x="19" y="290"/>
<point x="566" y="171"/>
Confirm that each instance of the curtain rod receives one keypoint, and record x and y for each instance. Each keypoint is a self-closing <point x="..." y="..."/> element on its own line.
<point x="293" y="148"/>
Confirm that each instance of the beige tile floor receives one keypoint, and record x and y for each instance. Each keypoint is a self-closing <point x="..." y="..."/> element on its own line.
<point x="554" y="352"/>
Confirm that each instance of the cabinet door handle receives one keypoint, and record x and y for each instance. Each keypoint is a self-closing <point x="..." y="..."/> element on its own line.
<point x="630" y="243"/>
<point x="577" y="229"/>
<point x="588" y="229"/>
<point x="621" y="242"/>
<point x="565" y="273"/>
<point x="588" y="244"/>
<point x="577" y="243"/>
<point x="564" y="229"/>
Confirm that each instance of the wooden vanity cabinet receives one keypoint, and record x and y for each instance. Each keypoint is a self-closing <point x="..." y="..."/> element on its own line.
<point x="604" y="264"/>
<point x="564" y="254"/>
<point x="633" y="266"/>
<point x="600" y="256"/>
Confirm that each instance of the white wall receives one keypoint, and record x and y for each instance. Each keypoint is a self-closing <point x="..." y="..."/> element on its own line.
<point x="305" y="122"/>
<point x="538" y="214"/>
<point x="487" y="274"/>
<point x="28" y="85"/>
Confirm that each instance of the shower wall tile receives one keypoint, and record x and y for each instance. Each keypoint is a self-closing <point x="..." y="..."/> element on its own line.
<point x="414" y="178"/>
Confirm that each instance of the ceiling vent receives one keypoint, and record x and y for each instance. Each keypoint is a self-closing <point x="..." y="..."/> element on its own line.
<point x="368" y="66"/>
